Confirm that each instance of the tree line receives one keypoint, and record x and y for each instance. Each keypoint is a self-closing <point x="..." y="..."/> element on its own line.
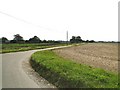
<point x="78" y="39"/>
<point x="19" y="39"/>
<point x="35" y="39"/>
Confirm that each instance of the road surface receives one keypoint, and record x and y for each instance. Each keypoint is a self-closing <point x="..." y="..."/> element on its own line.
<point x="13" y="75"/>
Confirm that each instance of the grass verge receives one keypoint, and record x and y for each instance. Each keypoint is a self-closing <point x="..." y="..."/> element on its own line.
<point x="68" y="74"/>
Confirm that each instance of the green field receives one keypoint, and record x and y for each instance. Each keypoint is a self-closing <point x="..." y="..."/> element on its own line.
<point x="6" y="48"/>
<point x="64" y="73"/>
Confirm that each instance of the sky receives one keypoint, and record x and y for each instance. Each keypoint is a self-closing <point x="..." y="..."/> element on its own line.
<point x="50" y="19"/>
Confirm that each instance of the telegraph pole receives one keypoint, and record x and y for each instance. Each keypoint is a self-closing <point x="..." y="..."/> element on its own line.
<point x="67" y="37"/>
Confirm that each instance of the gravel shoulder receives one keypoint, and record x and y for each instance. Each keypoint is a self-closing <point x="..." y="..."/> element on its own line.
<point x="42" y="83"/>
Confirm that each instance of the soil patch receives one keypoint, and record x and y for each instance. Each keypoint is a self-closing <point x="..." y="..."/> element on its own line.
<point x="100" y="55"/>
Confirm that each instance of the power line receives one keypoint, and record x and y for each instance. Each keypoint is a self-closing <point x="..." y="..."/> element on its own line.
<point x="22" y="20"/>
<point x="19" y="19"/>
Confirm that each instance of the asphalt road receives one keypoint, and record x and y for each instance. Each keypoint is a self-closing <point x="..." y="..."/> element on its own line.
<point x="13" y="75"/>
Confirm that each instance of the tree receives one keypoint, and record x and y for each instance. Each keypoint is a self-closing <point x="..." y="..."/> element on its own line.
<point x="44" y="41"/>
<point x="35" y="39"/>
<point x="13" y="41"/>
<point x="76" y="39"/>
<point x="18" y="38"/>
<point x="26" y="41"/>
<point x="87" y="41"/>
<point x="91" y="41"/>
<point x="73" y="39"/>
<point x="4" y="40"/>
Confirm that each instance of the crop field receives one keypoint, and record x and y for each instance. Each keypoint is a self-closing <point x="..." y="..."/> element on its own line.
<point x="6" y="48"/>
<point x="100" y="55"/>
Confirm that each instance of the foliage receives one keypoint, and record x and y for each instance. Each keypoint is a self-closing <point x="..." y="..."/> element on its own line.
<point x="4" y="40"/>
<point x="18" y="38"/>
<point x="35" y="39"/>
<point x="76" y="39"/>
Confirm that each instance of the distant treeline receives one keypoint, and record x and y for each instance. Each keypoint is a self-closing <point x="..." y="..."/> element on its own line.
<point x="78" y="39"/>
<point x="19" y="39"/>
<point x="75" y="39"/>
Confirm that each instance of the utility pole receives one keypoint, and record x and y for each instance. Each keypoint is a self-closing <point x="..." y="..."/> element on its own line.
<point x="67" y="37"/>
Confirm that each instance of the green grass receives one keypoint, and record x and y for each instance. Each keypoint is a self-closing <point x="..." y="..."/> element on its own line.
<point x="65" y="73"/>
<point x="6" y="48"/>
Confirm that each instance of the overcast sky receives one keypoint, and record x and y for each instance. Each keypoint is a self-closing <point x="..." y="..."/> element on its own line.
<point x="50" y="19"/>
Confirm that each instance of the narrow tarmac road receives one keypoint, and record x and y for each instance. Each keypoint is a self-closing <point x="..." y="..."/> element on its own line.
<point x="13" y="75"/>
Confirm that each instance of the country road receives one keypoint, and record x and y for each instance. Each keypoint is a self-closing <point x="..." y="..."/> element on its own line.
<point x="13" y="75"/>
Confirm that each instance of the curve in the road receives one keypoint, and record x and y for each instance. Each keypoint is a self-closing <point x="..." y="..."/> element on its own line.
<point x="13" y="74"/>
